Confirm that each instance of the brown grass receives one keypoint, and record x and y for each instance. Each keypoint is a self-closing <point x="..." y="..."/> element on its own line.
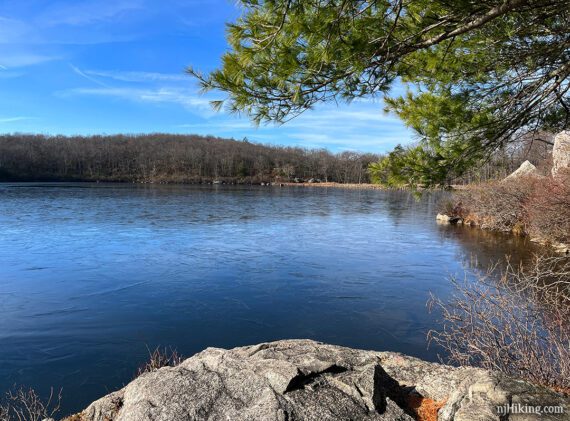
<point x="158" y="358"/>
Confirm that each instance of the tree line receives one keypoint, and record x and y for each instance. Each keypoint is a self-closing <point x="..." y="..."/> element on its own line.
<point x="167" y="158"/>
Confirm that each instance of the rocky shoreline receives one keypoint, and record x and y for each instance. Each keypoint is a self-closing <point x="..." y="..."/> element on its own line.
<point x="308" y="380"/>
<point x="557" y="247"/>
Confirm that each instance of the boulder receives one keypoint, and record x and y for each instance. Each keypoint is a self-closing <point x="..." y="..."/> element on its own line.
<point x="308" y="380"/>
<point x="561" y="153"/>
<point x="525" y="170"/>
<point x="442" y="218"/>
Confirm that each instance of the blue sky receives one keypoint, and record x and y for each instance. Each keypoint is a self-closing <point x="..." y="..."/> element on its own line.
<point x="117" y="66"/>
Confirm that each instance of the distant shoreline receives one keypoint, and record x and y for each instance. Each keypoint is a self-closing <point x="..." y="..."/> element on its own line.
<point x="335" y="185"/>
<point x="356" y="186"/>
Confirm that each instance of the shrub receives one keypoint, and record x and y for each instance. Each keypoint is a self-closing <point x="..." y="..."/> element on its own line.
<point x="527" y="205"/>
<point x="517" y="323"/>
<point x="549" y="210"/>
<point x="498" y="205"/>
<point x="25" y="405"/>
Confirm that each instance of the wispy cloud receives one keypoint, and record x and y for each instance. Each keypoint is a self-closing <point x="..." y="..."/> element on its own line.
<point x="78" y="71"/>
<point x="87" y="12"/>
<point x="139" y="76"/>
<point x="361" y="127"/>
<point x="16" y="37"/>
<point x="77" y="22"/>
<point x="330" y="117"/>
<point x="6" y="73"/>
<point x="151" y="87"/>
<point x="13" y="30"/>
<point x="23" y="59"/>
<point x="221" y="125"/>
<point x="184" y="97"/>
<point x="354" y="141"/>
<point x="6" y="120"/>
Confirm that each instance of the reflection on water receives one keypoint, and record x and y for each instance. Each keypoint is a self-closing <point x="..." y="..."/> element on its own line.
<point x="91" y="275"/>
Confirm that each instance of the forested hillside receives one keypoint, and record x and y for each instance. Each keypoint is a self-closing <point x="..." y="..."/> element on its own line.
<point x="165" y="158"/>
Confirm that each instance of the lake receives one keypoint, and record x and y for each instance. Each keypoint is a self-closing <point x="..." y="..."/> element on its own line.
<point x="94" y="275"/>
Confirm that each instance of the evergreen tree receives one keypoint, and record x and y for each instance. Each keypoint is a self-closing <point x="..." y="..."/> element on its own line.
<point x="479" y="74"/>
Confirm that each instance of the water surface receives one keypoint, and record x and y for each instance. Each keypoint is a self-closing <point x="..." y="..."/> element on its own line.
<point x="93" y="275"/>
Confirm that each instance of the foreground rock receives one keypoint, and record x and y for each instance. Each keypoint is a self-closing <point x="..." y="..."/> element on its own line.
<point x="561" y="153"/>
<point x="307" y="380"/>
